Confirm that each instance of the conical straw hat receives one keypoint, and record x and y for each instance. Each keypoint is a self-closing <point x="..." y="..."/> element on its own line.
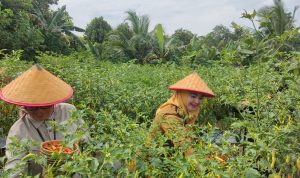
<point x="193" y="83"/>
<point x="36" y="87"/>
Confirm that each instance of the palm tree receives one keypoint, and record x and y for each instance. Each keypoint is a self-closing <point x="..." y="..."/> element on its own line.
<point x="134" y="40"/>
<point x="58" y="23"/>
<point x="275" y="20"/>
<point x="120" y="39"/>
<point x="139" y="24"/>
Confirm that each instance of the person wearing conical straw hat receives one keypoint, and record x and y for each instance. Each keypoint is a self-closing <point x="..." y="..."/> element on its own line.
<point x="40" y="95"/>
<point x="174" y="117"/>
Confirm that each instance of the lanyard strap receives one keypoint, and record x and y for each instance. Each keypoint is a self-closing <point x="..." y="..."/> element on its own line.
<point x="54" y="132"/>
<point x="37" y="130"/>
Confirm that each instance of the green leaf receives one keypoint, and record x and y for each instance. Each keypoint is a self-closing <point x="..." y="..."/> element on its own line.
<point x="246" y="51"/>
<point x="252" y="173"/>
<point x="159" y="32"/>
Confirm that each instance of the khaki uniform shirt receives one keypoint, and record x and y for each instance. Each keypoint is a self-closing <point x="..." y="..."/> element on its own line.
<point x="26" y="127"/>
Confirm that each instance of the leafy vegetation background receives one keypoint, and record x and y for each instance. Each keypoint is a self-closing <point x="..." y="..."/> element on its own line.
<point x="121" y="77"/>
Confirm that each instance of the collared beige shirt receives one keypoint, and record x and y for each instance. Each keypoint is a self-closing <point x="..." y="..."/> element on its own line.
<point x="26" y="127"/>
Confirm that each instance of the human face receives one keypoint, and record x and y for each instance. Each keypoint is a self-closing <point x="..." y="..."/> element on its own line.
<point x="39" y="113"/>
<point x="193" y="101"/>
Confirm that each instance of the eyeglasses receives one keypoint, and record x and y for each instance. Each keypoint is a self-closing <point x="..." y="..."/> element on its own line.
<point x="35" y="108"/>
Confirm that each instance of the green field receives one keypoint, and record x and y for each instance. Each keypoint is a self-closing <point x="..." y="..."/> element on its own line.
<point x="121" y="75"/>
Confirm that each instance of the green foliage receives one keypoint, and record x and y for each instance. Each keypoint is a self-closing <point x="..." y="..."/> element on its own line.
<point x="254" y="74"/>
<point x="10" y="67"/>
<point x="274" y="20"/>
<point x="44" y="5"/>
<point x="56" y="28"/>
<point x="257" y="104"/>
<point x="139" y="24"/>
<point x="118" y="47"/>
<point x="95" y="34"/>
<point x="16" y="6"/>
<point x="135" y="42"/>
<point x="219" y="37"/>
<point x="182" y="37"/>
<point x="31" y="26"/>
<point x="97" y="30"/>
<point x="17" y="32"/>
<point x="159" y="33"/>
<point x="162" y="51"/>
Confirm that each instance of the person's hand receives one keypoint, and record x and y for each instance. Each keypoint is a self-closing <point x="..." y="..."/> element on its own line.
<point x="22" y="112"/>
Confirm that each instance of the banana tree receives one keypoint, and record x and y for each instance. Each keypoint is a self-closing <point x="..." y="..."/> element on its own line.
<point x="164" y="46"/>
<point x="58" y="23"/>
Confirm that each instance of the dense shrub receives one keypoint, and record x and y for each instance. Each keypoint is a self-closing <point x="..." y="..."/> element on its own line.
<point x="257" y="104"/>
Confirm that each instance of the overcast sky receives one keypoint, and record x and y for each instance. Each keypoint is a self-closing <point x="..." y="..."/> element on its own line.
<point x="198" y="16"/>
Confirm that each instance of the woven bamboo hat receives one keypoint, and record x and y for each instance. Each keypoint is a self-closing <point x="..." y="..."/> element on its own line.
<point x="36" y="87"/>
<point x="193" y="83"/>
